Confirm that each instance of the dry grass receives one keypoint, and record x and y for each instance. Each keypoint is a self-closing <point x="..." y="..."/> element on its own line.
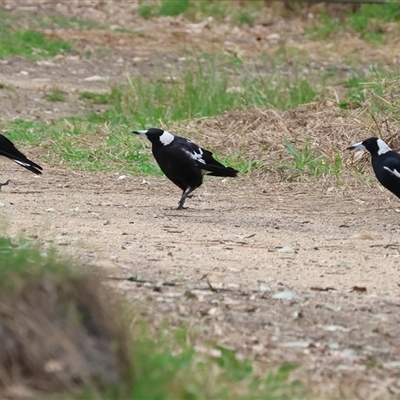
<point x="260" y="134"/>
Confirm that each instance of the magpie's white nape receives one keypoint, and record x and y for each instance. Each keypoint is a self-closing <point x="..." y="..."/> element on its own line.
<point x="385" y="162"/>
<point x="182" y="161"/>
<point x="9" y="151"/>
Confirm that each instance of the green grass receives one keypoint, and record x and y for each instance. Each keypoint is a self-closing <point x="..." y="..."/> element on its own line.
<point x="224" y="10"/>
<point x="29" y="44"/>
<point x="165" y="364"/>
<point x="80" y="144"/>
<point x="146" y="11"/>
<point x="101" y="141"/>
<point x="203" y="90"/>
<point x="368" y="22"/>
<point x="96" y="98"/>
<point x="21" y="263"/>
<point x="308" y="160"/>
<point x="377" y="89"/>
<point x="173" y="7"/>
<point x="55" y="95"/>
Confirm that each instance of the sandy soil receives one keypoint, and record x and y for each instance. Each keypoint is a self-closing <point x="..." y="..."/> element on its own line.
<point x="280" y="272"/>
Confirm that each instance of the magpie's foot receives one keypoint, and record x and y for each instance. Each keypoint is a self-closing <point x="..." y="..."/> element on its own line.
<point x="4" y="184"/>
<point x="180" y="207"/>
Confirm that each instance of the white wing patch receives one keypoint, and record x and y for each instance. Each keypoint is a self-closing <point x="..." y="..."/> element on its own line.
<point x="22" y="163"/>
<point x="383" y="148"/>
<point x="197" y="156"/>
<point x="394" y="172"/>
<point x="166" y="138"/>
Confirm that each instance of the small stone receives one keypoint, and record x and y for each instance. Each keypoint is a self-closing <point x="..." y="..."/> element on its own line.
<point x="286" y="249"/>
<point x="95" y="78"/>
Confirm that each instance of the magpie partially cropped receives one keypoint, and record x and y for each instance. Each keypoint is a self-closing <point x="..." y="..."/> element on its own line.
<point x="182" y="161"/>
<point x="9" y="151"/>
<point x="385" y="162"/>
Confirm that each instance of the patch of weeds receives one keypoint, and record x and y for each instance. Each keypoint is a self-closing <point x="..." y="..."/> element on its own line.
<point x="2" y="85"/>
<point x="14" y="265"/>
<point x="216" y="9"/>
<point x="379" y="88"/>
<point x="355" y="96"/>
<point x="80" y="144"/>
<point x="203" y="90"/>
<point x="244" y="18"/>
<point x="309" y="161"/>
<point x="368" y="21"/>
<point x="146" y="11"/>
<point x="173" y="7"/>
<point x="176" y="371"/>
<point x="95" y="98"/>
<point x="30" y="44"/>
<point x="323" y="28"/>
<point x="55" y="95"/>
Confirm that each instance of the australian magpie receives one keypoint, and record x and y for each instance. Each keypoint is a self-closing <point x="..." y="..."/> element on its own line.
<point x="385" y="162"/>
<point x="182" y="161"/>
<point x="8" y="150"/>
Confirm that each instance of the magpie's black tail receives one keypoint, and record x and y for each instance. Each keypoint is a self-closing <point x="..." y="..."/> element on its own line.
<point x="29" y="165"/>
<point x="7" y="149"/>
<point x="220" y="170"/>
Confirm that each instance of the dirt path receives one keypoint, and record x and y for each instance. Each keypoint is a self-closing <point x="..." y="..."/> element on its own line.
<point x="333" y="257"/>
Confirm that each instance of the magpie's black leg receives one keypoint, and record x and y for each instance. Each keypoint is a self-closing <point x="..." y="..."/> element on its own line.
<point x="182" y="200"/>
<point x="185" y="194"/>
<point x="4" y="184"/>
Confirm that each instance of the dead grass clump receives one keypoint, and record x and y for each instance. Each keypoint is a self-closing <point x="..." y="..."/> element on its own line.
<point x="321" y="127"/>
<point x="57" y="333"/>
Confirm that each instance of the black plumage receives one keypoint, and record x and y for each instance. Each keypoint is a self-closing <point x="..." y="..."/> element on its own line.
<point x="183" y="162"/>
<point x="8" y="150"/>
<point x="385" y="162"/>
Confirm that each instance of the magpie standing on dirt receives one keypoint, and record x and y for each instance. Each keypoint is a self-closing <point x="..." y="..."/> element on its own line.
<point x="385" y="162"/>
<point x="183" y="162"/>
<point x="8" y="150"/>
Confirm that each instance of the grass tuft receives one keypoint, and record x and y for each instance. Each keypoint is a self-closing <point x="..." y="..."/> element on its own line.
<point x="56" y="95"/>
<point x="173" y="7"/>
<point x="307" y="160"/>
<point x="96" y="98"/>
<point x="30" y="44"/>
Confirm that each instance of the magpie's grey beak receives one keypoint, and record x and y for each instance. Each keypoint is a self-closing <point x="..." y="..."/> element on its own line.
<point x="141" y="133"/>
<point x="357" y="146"/>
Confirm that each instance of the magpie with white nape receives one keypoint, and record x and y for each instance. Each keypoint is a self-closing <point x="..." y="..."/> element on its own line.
<point x="385" y="162"/>
<point x="183" y="162"/>
<point x="9" y="151"/>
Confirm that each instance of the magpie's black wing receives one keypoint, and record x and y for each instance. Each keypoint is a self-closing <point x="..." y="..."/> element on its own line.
<point x="391" y="166"/>
<point x="7" y="149"/>
<point x="204" y="160"/>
